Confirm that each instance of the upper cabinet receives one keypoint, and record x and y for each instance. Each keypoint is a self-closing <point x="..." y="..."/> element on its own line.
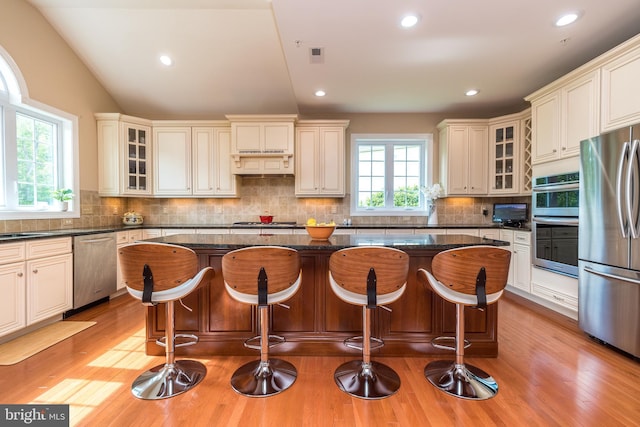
<point x="320" y="158"/>
<point x="564" y="116"/>
<point x="192" y="160"/>
<point x="503" y="166"/>
<point x="262" y="144"/>
<point x="464" y="156"/>
<point x="621" y="90"/>
<point x="124" y="155"/>
<point x="597" y="97"/>
<point x="189" y="158"/>
<point x="510" y="154"/>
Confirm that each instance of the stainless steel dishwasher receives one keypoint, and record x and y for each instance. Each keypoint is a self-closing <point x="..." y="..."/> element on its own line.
<point x="94" y="268"/>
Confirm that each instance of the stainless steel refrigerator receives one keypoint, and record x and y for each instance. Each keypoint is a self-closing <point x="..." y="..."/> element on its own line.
<point x="609" y="239"/>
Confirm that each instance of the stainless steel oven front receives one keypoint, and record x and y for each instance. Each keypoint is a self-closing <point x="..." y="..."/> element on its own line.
<point x="554" y="222"/>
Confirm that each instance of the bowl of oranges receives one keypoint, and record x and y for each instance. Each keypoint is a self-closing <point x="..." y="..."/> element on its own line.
<point x="319" y="230"/>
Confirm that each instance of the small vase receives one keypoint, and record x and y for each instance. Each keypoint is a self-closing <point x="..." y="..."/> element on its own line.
<point x="64" y="206"/>
<point x="433" y="214"/>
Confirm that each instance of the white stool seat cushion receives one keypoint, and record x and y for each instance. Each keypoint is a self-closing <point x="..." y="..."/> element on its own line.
<point x="274" y="298"/>
<point x="174" y="293"/>
<point x="361" y="299"/>
<point x="457" y="297"/>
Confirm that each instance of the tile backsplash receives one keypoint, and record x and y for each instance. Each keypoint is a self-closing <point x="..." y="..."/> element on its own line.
<point x="258" y="196"/>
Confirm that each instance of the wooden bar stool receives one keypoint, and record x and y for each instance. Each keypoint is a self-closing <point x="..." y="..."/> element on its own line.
<point x="262" y="276"/>
<point x="472" y="276"/>
<point x="161" y="273"/>
<point x="370" y="277"/>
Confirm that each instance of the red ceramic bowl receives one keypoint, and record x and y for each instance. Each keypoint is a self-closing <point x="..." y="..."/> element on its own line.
<point x="266" y="219"/>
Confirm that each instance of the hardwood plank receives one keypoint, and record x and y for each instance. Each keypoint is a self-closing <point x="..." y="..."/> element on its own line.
<point x="549" y="373"/>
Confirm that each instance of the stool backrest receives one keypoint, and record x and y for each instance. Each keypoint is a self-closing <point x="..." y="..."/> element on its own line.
<point x="459" y="268"/>
<point x="240" y="268"/>
<point x="171" y="265"/>
<point x="350" y="267"/>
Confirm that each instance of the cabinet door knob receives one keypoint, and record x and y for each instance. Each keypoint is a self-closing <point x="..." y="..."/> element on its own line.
<point x="555" y="151"/>
<point x="20" y="274"/>
<point x="35" y="270"/>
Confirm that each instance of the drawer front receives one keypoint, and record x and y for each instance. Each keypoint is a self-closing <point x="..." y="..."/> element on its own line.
<point x="522" y="237"/>
<point x="122" y="237"/>
<point x="48" y="247"/>
<point x="12" y="252"/>
<point x="556" y="296"/>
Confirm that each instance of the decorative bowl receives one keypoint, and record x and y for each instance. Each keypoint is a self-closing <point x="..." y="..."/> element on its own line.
<point x="320" y="232"/>
<point x="132" y="218"/>
<point x="266" y="219"/>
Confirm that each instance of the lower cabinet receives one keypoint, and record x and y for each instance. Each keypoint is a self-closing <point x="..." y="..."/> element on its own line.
<point x="12" y="303"/>
<point x="520" y="268"/>
<point x="49" y="287"/>
<point x="36" y="282"/>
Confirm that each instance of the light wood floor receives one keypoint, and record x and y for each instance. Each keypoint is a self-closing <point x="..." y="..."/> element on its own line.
<point x="549" y="374"/>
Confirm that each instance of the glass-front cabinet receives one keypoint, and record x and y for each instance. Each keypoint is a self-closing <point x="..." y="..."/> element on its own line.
<point x="137" y="152"/>
<point x="504" y="152"/>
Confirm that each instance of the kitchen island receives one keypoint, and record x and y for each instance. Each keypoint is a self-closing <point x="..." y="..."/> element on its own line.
<point x="317" y="322"/>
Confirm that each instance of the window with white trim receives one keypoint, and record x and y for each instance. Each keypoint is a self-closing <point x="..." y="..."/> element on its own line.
<point x="388" y="172"/>
<point x="38" y="152"/>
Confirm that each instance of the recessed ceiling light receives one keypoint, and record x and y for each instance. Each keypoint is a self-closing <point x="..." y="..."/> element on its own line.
<point x="566" y="19"/>
<point x="409" y="21"/>
<point x="166" y="60"/>
<point x="320" y="93"/>
<point x="471" y="92"/>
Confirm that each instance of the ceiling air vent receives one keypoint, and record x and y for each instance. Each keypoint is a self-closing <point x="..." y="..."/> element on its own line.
<point x="316" y="55"/>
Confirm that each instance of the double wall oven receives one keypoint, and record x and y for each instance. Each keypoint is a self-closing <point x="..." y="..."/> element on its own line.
<point x="554" y="222"/>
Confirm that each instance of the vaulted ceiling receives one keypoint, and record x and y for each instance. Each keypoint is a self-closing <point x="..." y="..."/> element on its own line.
<point x="254" y="56"/>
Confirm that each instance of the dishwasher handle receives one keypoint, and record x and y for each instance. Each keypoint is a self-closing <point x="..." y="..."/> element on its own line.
<point x="99" y="240"/>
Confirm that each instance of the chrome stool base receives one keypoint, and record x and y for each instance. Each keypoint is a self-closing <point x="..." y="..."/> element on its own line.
<point x="461" y="380"/>
<point x="168" y="380"/>
<point x="367" y="381"/>
<point x="260" y="379"/>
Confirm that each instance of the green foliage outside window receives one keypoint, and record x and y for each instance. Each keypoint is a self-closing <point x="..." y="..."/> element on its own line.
<point x="36" y="156"/>
<point x="402" y="197"/>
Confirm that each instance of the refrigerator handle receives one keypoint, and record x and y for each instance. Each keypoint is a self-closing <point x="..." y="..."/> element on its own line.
<point x="610" y="276"/>
<point x="619" y="189"/>
<point x="632" y="184"/>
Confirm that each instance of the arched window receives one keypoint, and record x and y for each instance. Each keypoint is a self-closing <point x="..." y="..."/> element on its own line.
<point x="39" y="151"/>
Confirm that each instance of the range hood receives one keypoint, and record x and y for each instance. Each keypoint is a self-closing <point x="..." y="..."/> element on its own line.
<point x="262" y="144"/>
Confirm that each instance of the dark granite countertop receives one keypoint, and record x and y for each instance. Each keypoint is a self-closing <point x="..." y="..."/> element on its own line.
<point x="27" y="235"/>
<point x="335" y="242"/>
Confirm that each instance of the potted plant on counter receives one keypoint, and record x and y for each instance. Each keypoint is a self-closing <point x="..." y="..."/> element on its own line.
<point x="63" y="195"/>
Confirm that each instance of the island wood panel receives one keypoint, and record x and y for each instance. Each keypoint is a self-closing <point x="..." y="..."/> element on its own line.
<point x="317" y="321"/>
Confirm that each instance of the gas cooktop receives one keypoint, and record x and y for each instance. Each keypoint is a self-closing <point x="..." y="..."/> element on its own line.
<point x="261" y="224"/>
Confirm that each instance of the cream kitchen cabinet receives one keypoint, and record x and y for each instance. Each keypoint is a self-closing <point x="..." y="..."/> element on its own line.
<point x="520" y="267"/>
<point x="320" y="158"/>
<point x="192" y="161"/>
<point x="262" y="144"/>
<point x="124" y="155"/>
<point x="464" y="156"/>
<point x="49" y="287"/>
<point x="126" y="237"/>
<point x="12" y="288"/>
<point x="620" y="88"/>
<point x="504" y="157"/>
<point x="521" y="260"/>
<point x="563" y="114"/>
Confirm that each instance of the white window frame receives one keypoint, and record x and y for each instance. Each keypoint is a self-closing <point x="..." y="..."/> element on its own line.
<point x="427" y="171"/>
<point x="15" y="99"/>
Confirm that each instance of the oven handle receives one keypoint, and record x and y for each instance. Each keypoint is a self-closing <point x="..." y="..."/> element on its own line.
<point x="556" y="187"/>
<point x="556" y="221"/>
